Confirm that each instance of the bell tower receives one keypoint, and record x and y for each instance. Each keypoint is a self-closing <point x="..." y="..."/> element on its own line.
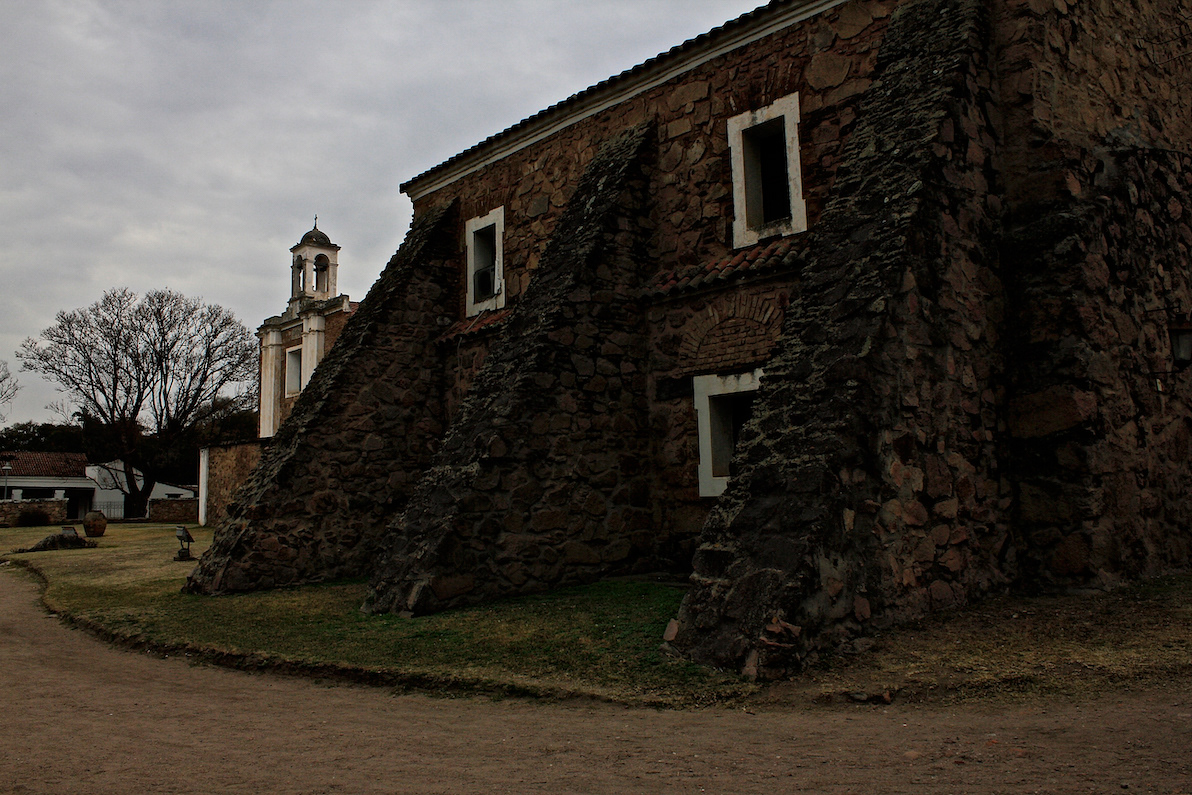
<point x="314" y="267"/>
<point x="293" y="343"/>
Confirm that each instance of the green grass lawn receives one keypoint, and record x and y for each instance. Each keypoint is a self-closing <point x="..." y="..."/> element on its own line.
<point x="603" y="640"/>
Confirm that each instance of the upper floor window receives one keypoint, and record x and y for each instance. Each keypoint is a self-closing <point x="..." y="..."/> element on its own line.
<point x="485" y="258"/>
<point x="767" y="178"/>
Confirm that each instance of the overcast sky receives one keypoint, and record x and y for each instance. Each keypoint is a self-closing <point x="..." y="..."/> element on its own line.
<point x="189" y="143"/>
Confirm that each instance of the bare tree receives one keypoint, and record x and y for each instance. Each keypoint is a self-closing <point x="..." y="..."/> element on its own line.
<point x="8" y="387"/>
<point x="143" y="373"/>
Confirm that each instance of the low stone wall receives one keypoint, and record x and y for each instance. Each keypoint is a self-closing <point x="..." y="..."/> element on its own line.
<point x="174" y="511"/>
<point x="11" y="510"/>
<point x="228" y="467"/>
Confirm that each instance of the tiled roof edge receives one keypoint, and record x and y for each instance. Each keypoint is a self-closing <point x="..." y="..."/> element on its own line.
<point x="469" y="327"/>
<point x="760" y="260"/>
<point x="747" y="28"/>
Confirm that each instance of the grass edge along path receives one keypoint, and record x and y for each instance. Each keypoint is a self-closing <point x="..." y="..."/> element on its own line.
<point x="602" y="641"/>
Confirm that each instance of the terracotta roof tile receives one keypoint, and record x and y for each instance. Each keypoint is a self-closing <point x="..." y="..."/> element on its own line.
<point x="751" y="261"/>
<point x="471" y="325"/>
<point x="46" y="465"/>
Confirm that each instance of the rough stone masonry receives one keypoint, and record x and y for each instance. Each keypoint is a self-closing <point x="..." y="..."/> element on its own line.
<point x="967" y="381"/>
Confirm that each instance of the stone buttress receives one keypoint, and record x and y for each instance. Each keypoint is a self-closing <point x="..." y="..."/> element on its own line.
<point x="542" y="479"/>
<point x="343" y="462"/>
<point x="867" y="483"/>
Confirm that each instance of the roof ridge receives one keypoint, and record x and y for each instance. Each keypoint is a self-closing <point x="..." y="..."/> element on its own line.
<point x="782" y="12"/>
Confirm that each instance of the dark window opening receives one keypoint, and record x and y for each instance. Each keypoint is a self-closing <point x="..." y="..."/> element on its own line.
<point x="484" y="263"/>
<point x="298" y="284"/>
<point x="322" y="264"/>
<point x="728" y="414"/>
<point x="767" y="174"/>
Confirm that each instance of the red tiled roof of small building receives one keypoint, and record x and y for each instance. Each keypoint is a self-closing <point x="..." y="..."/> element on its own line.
<point x="45" y="465"/>
<point x="748" y="261"/>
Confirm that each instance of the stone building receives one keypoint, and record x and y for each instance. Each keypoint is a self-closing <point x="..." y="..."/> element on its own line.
<point x="851" y="309"/>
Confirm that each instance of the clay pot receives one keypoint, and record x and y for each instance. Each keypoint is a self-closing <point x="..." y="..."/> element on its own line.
<point x="94" y="524"/>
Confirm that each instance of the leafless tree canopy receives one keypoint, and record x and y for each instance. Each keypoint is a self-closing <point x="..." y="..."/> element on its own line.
<point x="160" y="360"/>
<point x="155" y="365"/>
<point x="8" y="387"/>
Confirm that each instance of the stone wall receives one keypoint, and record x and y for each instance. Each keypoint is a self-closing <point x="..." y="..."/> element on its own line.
<point x="174" y="511"/>
<point x="542" y="480"/>
<point x="867" y="485"/>
<point x="692" y="201"/>
<point x="228" y="467"/>
<point x="360" y="433"/>
<point x="1083" y="74"/>
<point x="712" y="330"/>
<point x="11" y="510"/>
<point x="829" y="60"/>
<point x="1100" y="426"/>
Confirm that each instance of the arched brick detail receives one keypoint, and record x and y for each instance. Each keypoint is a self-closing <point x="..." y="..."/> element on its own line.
<point x="731" y="332"/>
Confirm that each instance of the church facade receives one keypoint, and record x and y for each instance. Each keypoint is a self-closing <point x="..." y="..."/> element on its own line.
<point x="294" y="342"/>
<point x="851" y="310"/>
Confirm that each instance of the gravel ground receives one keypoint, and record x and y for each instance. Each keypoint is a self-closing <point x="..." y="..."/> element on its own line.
<point x="81" y="717"/>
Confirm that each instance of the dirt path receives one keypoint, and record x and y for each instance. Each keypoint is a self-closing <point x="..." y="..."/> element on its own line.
<point x="80" y="717"/>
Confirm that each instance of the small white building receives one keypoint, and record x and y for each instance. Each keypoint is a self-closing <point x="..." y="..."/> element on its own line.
<point x="294" y="342"/>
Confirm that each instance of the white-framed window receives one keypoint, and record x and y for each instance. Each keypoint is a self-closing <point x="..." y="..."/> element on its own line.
<point x="293" y="371"/>
<point x="484" y="237"/>
<point x="767" y="177"/>
<point x="723" y="404"/>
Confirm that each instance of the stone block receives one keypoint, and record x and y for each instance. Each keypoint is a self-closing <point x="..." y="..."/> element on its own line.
<point x="1049" y="411"/>
<point x="451" y="586"/>
<point x="827" y="69"/>
<point x="578" y="553"/>
<point x="942" y="594"/>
